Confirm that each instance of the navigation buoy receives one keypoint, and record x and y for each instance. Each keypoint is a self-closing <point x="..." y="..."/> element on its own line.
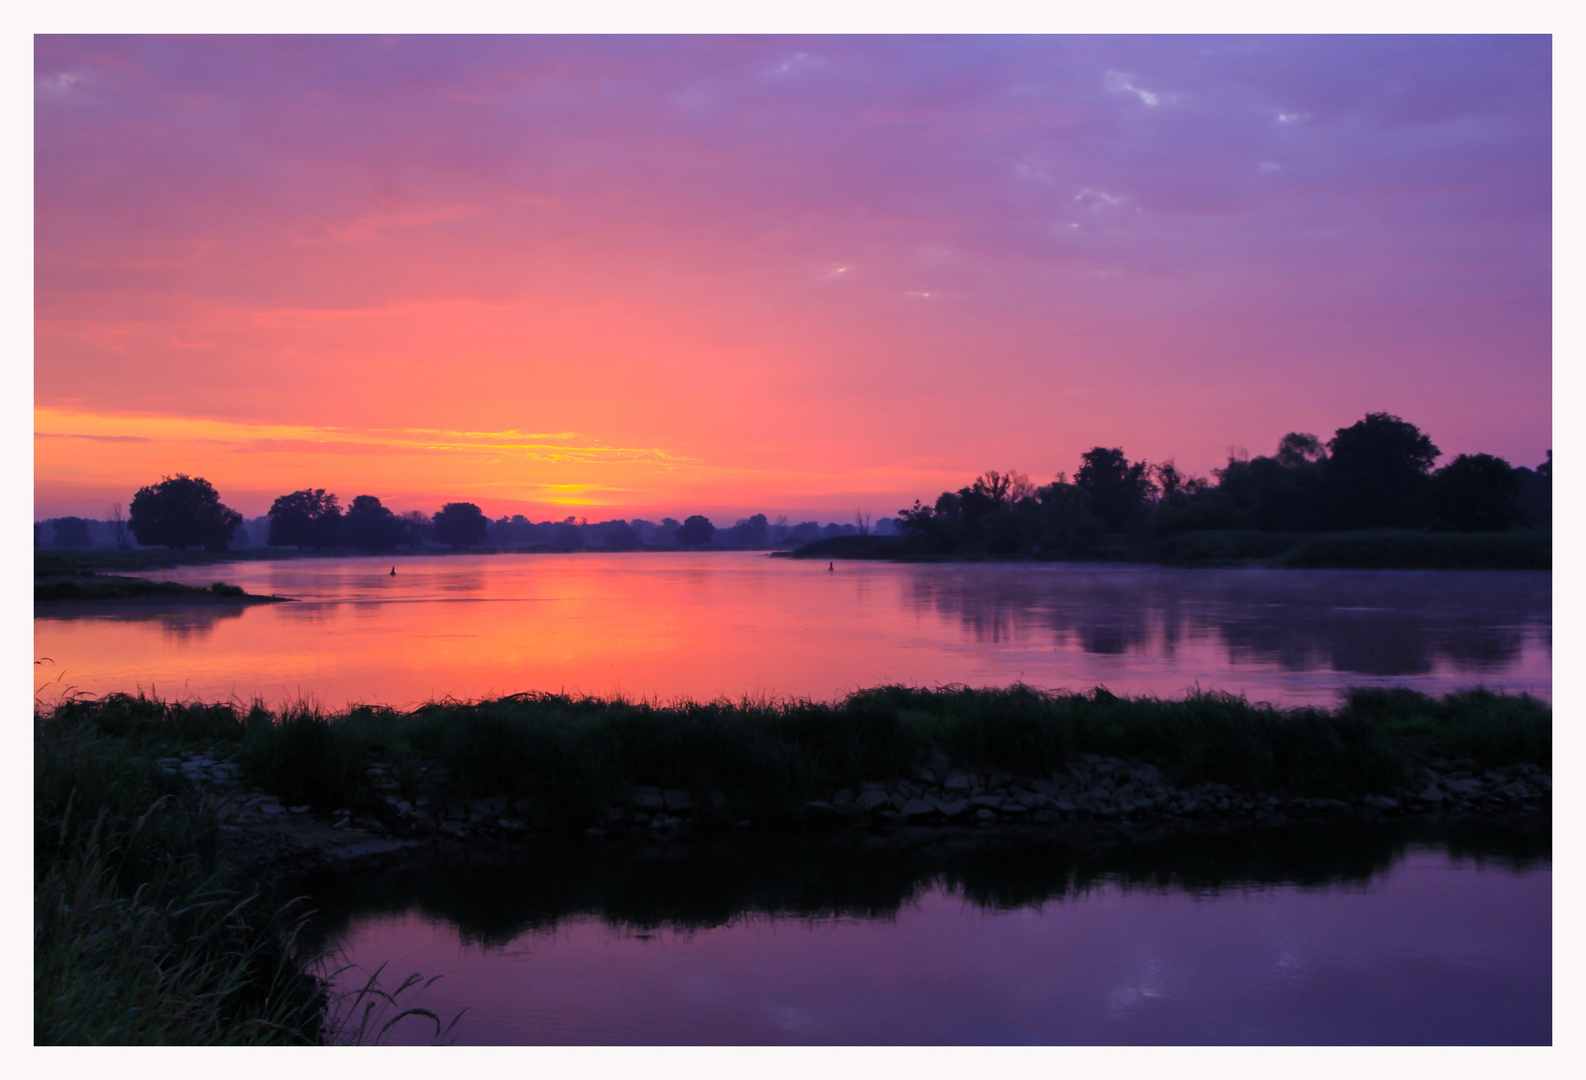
<point x="829" y="566"/>
<point x="393" y="571"/>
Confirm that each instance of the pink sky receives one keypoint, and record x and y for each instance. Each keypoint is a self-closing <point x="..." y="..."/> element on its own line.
<point x="646" y="276"/>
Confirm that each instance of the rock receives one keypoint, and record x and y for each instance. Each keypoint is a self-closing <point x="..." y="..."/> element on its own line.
<point x="848" y="809"/>
<point x="1432" y="794"/>
<point x="677" y="801"/>
<point x="986" y="817"/>
<point x="818" y="811"/>
<point x="595" y="833"/>
<point x="270" y="808"/>
<point x="958" y="782"/>
<point x="951" y="808"/>
<point x="1065" y="806"/>
<point x="845" y="795"/>
<point x="870" y="799"/>
<point x="986" y="802"/>
<point x="300" y="809"/>
<point x="917" y="808"/>
<point x="646" y="798"/>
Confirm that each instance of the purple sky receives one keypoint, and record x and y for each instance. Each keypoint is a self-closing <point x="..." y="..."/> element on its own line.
<point x="661" y="275"/>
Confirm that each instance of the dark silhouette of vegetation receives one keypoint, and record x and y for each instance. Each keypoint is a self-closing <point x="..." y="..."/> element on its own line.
<point x="307" y="518"/>
<point x="1376" y="471"/>
<point x="1114" y="487"/>
<point x="715" y="880"/>
<point x="71" y="532"/>
<point x="460" y="525"/>
<point x="623" y="537"/>
<point x="696" y="531"/>
<point x="120" y="534"/>
<point x="570" y="756"/>
<point x="1374" y="475"/>
<point x="369" y="526"/>
<point x="182" y="511"/>
<point x="1474" y="493"/>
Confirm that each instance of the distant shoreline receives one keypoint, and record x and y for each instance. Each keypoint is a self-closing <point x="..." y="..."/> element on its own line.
<point x="88" y="587"/>
<point x="1370" y="549"/>
<point x="1366" y="549"/>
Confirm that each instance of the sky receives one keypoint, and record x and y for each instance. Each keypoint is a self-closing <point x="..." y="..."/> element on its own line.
<point x="647" y="276"/>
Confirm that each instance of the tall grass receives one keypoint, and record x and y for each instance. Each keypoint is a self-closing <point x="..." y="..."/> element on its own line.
<point x="568" y="757"/>
<point x="140" y="936"/>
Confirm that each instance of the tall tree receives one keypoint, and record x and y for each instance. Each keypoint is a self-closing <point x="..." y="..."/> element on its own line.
<point x="695" y="531"/>
<point x="307" y="518"/>
<point x="118" y="528"/>
<point x="182" y="511"/>
<point x="1474" y="493"/>
<point x="1115" y="487"/>
<point x="1376" y="472"/>
<point x="369" y="526"/>
<point x="460" y="524"/>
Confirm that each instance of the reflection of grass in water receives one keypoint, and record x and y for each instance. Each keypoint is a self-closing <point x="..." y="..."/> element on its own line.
<point x="571" y="756"/>
<point x="732" y="880"/>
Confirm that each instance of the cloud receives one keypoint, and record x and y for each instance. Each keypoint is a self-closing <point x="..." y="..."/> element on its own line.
<point x="1117" y="82"/>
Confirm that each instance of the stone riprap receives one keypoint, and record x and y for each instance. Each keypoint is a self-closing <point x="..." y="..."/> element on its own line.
<point x="939" y="794"/>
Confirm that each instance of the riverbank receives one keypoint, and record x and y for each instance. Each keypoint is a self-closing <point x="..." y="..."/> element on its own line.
<point x="532" y="765"/>
<point x="90" y="587"/>
<point x="1366" y="549"/>
<point x="155" y="822"/>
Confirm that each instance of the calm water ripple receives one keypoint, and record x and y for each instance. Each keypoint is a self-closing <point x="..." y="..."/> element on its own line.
<point x="713" y="624"/>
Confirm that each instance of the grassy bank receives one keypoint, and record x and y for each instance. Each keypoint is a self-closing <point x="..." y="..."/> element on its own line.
<point x="1369" y="549"/>
<point x="89" y="587"/>
<point x="141" y="936"/>
<point x="568" y="758"/>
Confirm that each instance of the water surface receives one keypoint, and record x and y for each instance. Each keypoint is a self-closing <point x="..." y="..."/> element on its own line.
<point x="1322" y="935"/>
<point x="711" y="624"/>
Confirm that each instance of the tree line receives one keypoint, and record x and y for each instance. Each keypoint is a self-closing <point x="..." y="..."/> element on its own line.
<point x="182" y="511"/>
<point x="1376" y="473"/>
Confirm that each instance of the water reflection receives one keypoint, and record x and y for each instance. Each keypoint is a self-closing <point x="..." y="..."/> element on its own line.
<point x="1411" y="934"/>
<point x="1371" y="623"/>
<point x="736" y="623"/>
<point x="182" y="624"/>
<point x="713" y="882"/>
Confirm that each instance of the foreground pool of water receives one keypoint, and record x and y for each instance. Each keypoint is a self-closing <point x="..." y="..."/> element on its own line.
<point x="705" y="625"/>
<point x="1411" y="934"/>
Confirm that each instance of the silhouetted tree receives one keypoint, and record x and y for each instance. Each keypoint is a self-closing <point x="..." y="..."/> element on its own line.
<point x="568" y="536"/>
<point x="695" y="531"/>
<point x="416" y="528"/>
<point x="623" y="537"/>
<point x="460" y="524"/>
<point x="71" y="532"/>
<point x="1376" y="472"/>
<point x="1299" y="448"/>
<point x="119" y="533"/>
<point x="751" y="532"/>
<point x="369" y="526"/>
<point x="307" y="518"/>
<point x="1115" y="487"/>
<point x="1474" y="493"/>
<point x="182" y="511"/>
<point x="1536" y="494"/>
<point x="1264" y="493"/>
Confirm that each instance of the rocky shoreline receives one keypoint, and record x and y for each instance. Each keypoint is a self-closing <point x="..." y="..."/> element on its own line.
<point x="1094" y="796"/>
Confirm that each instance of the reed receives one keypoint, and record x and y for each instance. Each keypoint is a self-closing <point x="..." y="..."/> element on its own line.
<point x="570" y="756"/>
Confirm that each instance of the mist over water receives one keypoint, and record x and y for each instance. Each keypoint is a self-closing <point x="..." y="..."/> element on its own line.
<point x="729" y="624"/>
